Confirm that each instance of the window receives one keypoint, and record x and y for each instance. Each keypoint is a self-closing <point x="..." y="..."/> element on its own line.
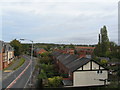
<point x="100" y="71"/>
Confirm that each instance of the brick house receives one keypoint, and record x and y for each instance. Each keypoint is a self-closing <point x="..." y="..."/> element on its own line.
<point x="85" y="51"/>
<point x="67" y="51"/>
<point x="0" y="55"/>
<point x="38" y="51"/>
<point x="6" y="54"/>
<point x="80" y="71"/>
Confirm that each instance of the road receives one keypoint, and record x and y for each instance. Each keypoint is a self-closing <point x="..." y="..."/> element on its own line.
<point x="19" y="78"/>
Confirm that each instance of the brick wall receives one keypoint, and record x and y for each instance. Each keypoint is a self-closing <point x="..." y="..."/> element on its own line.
<point x="0" y="61"/>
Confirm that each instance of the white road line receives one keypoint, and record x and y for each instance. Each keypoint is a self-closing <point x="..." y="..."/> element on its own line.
<point x="29" y="78"/>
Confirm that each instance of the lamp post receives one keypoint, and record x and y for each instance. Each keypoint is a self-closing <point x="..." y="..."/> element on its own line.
<point x="31" y="58"/>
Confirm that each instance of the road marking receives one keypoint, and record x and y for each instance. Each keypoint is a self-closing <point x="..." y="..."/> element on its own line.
<point x="13" y="82"/>
<point x="29" y="78"/>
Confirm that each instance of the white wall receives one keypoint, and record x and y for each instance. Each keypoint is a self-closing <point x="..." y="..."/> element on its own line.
<point x="88" y="65"/>
<point x="95" y="66"/>
<point x="10" y="55"/>
<point x="88" y="78"/>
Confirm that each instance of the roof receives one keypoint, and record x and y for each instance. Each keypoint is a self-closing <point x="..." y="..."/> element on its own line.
<point x="69" y="59"/>
<point x="72" y="62"/>
<point x="9" y="47"/>
<point x="77" y="64"/>
<point x="56" y="53"/>
<point x="39" y="49"/>
<point x="67" y="82"/>
<point x="85" y="47"/>
<point x="6" y="46"/>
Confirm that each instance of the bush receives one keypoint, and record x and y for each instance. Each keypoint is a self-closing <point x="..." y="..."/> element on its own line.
<point x="42" y="75"/>
<point x="49" y="69"/>
<point x="104" y="62"/>
<point x="55" y="81"/>
<point x="45" y="60"/>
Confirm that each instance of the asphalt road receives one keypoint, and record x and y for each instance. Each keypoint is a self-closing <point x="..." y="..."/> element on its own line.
<point x="19" y="78"/>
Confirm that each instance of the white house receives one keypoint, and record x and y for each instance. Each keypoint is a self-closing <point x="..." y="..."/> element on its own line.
<point x="81" y="71"/>
<point x="90" y="74"/>
<point x="10" y="53"/>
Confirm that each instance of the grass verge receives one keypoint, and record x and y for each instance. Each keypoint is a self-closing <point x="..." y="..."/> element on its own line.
<point x="22" y="60"/>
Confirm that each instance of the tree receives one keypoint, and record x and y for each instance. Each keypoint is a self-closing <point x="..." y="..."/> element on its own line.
<point x="104" y="62"/>
<point x="55" y="81"/>
<point x="42" y="75"/>
<point x="45" y="60"/>
<point x="17" y="47"/>
<point x="45" y="54"/>
<point x="103" y="46"/>
<point x="26" y="48"/>
<point x="71" y="46"/>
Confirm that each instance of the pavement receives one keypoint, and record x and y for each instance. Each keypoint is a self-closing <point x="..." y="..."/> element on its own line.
<point x="8" y="71"/>
<point x="16" y="63"/>
<point x="20" y="77"/>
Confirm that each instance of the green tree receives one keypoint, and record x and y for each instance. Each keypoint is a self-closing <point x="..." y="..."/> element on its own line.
<point x="45" y="54"/>
<point x="71" y="46"/>
<point x="17" y="47"/>
<point x="45" y="60"/>
<point x="103" y="46"/>
<point x="55" y="81"/>
<point x="104" y="62"/>
<point x="42" y="75"/>
<point x="26" y="48"/>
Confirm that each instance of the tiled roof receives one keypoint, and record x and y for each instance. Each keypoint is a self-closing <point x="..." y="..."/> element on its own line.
<point x="69" y="59"/>
<point x="77" y="64"/>
<point x="37" y="49"/>
<point x="72" y="62"/>
<point x="85" y="47"/>
<point x="56" y="53"/>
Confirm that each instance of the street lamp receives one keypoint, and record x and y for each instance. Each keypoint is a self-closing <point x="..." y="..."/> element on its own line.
<point x="31" y="58"/>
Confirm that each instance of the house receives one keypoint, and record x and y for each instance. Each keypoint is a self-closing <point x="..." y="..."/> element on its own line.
<point x="38" y="51"/>
<point x="81" y="71"/>
<point x="6" y="54"/>
<point x="0" y="55"/>
<point x="85" y="51"/>
<point x="66" y="50"/>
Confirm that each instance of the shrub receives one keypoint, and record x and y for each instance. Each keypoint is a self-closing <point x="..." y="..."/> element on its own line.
<point x="55" y="81"/>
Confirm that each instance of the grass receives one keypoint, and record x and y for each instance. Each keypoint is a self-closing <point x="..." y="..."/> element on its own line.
<point x="22" y="60"/>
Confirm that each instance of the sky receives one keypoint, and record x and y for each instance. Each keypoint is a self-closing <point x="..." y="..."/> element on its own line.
<point x="58" y="21"/>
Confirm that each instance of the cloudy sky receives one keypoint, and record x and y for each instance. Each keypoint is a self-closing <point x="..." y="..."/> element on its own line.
<point x="58" y="21"/>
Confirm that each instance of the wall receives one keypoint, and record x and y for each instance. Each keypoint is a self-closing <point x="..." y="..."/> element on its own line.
<point x="88" y="78"/>
<point x="0" y="61"/>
